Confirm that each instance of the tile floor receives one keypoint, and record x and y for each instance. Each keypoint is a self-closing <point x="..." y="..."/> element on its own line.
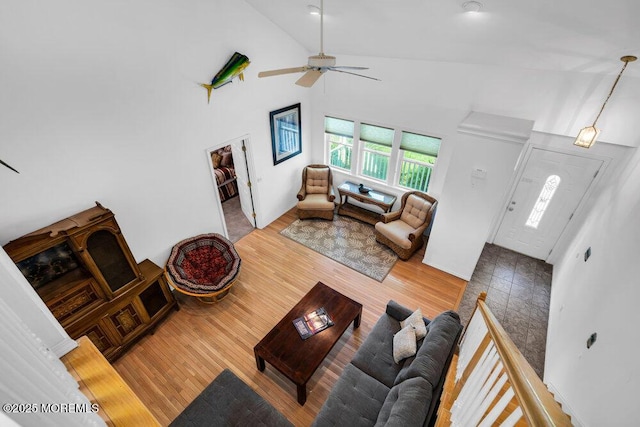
<point x="518" y="291"/>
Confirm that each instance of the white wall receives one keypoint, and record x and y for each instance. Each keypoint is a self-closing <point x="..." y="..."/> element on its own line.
<point x="599" y="384"/>
<point x="100" y="102"/>
<point x="487" y="149"/>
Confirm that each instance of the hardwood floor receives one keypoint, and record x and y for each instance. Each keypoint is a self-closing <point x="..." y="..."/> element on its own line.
<point x="191" y="347"/>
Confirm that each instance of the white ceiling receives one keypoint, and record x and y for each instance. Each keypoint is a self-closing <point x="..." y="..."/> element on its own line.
<point x="567" y="35"/>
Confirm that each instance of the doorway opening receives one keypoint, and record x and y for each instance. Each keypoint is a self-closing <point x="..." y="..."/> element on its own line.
<point x="230" y="167"/>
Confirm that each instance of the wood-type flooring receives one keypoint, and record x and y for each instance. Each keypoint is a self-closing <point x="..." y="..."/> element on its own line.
<point x="168" y="369"/>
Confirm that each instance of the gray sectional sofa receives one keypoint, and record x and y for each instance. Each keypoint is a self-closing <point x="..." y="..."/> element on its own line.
<point x="373" y="390"/>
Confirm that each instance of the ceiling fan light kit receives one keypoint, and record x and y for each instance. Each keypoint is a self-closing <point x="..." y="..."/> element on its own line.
<point x="318" y="64"/>
<point x="321" y="61"/>
<point x="588" y="135"/>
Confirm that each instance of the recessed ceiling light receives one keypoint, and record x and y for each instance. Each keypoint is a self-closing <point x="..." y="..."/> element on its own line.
<point x="472" y="6"/>
<point x="313" y="9"/>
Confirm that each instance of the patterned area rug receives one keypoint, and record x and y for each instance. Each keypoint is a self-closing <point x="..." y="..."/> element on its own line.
<point x="346" y="240"/>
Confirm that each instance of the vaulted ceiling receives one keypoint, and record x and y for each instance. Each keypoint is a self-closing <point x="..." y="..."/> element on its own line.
<point x="568" y="35"/>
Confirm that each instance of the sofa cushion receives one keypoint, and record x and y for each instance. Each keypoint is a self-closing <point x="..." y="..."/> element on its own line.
<point x="404" y="343"/>
<point x="355" y="400"/>
<point x="406" y="404"/>
<point x="416" y="321"/>
<point x="375" y="355"/>
<point x="400" y="312"/>
<point x="434" y="352"/>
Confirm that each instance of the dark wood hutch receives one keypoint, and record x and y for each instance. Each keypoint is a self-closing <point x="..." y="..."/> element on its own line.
<point x="84" y="271"/>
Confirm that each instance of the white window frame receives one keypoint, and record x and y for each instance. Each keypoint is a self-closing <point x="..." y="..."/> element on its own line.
<point x="328" y="142"/>
<point x="396" y="157"/>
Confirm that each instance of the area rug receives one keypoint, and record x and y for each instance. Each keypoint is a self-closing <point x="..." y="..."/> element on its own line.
<point x="228" y="401"/>
<point x="347" y="241"/>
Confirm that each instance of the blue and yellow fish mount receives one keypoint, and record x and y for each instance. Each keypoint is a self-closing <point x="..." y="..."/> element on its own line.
<point x="233" y="68"/>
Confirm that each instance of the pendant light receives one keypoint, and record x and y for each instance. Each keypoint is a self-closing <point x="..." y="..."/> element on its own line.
<point x="587" y="136"/>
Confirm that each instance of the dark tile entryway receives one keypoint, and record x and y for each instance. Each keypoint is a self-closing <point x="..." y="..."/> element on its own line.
<point x="518" y="292"/>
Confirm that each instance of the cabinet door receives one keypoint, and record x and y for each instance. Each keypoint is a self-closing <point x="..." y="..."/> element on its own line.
<point x="128" y="320"/>
<point x="99" y="335"/>
<point x="154" y="299"/>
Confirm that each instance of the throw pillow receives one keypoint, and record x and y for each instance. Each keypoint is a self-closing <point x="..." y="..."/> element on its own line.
<point x="404" y="344"/>
<point x="216" y="159"/>
<point x="416" y="321"/>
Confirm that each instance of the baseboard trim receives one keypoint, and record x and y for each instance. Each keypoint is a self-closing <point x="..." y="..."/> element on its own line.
<point x="466" y="277"/>
<point x="575" y="420"/>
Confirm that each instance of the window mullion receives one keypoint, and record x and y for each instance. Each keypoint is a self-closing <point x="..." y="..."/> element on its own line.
<point x="357" y="149"/>
<point x="394" y="159"/>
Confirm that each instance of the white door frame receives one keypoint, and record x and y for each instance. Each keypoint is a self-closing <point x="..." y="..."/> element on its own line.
<point x="252" y="174"/>
<point x="515" y="180"/>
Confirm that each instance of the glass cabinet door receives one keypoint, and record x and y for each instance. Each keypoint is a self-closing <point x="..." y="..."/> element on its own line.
<point x="108" y="256"/>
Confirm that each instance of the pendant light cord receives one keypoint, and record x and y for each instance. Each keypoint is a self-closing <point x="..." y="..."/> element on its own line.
<point x="610" y="92"/>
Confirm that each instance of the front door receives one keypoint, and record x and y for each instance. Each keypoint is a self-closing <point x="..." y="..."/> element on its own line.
<point x="548" y="193"/>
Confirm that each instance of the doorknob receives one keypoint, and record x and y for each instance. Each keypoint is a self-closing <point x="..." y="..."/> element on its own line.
<point x="510" y="209"/>
<point x="513" y="203"/>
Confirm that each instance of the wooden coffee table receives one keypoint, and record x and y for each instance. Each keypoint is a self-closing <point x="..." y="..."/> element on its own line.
<point x="298" y="359"/>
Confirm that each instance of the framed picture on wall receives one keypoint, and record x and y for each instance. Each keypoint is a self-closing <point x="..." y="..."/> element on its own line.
<point x="286" y="136"/>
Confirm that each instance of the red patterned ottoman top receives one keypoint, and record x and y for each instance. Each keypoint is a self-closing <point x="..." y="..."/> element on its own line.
<point x="203" y="264"/>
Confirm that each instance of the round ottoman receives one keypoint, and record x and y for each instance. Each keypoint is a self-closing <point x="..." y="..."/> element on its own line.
<point x="205" y="266"/>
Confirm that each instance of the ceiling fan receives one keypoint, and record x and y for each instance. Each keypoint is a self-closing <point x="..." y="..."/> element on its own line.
<point x="317" y="64"/>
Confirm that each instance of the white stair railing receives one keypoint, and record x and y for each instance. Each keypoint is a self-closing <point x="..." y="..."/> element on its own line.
<point x="491" y="383"/>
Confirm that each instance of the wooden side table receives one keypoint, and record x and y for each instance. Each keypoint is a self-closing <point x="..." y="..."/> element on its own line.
<point x="374" y="197"/>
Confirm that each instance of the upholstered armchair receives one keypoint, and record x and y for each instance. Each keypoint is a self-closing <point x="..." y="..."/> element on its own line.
<point x="402" y="230"/>
<point x="316" y="196"/>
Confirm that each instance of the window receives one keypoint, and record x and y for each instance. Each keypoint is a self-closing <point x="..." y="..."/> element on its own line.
<point x="395" y="157"/>
<point x="339" y="139"/>
<point x="376" y="143"/>
<point x="541" y="205"/>
<point x="418" y="156"/>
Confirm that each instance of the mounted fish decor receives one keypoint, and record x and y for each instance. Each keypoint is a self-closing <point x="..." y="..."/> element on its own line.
<point x="4" y="164"/>
<point x="234" y="67"/>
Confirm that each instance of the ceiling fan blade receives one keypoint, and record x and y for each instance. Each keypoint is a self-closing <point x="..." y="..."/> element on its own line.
<point x="359" y="75"/>
<point x="282" y="71"/>
<point x="309" y="78"/>
<point x="348" y="68"/>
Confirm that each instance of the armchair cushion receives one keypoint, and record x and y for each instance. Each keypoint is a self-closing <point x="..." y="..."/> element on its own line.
<point x="415" y="211"/>
<point x="396" y="231"/>
<point x="315" y="201"/>
<point x="317" y="181"/>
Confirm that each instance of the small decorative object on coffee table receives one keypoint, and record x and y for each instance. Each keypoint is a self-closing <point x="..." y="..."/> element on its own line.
<point x="298" y="360"/>
<point x="312" y="323"/>
<point x="382" y="201"/>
